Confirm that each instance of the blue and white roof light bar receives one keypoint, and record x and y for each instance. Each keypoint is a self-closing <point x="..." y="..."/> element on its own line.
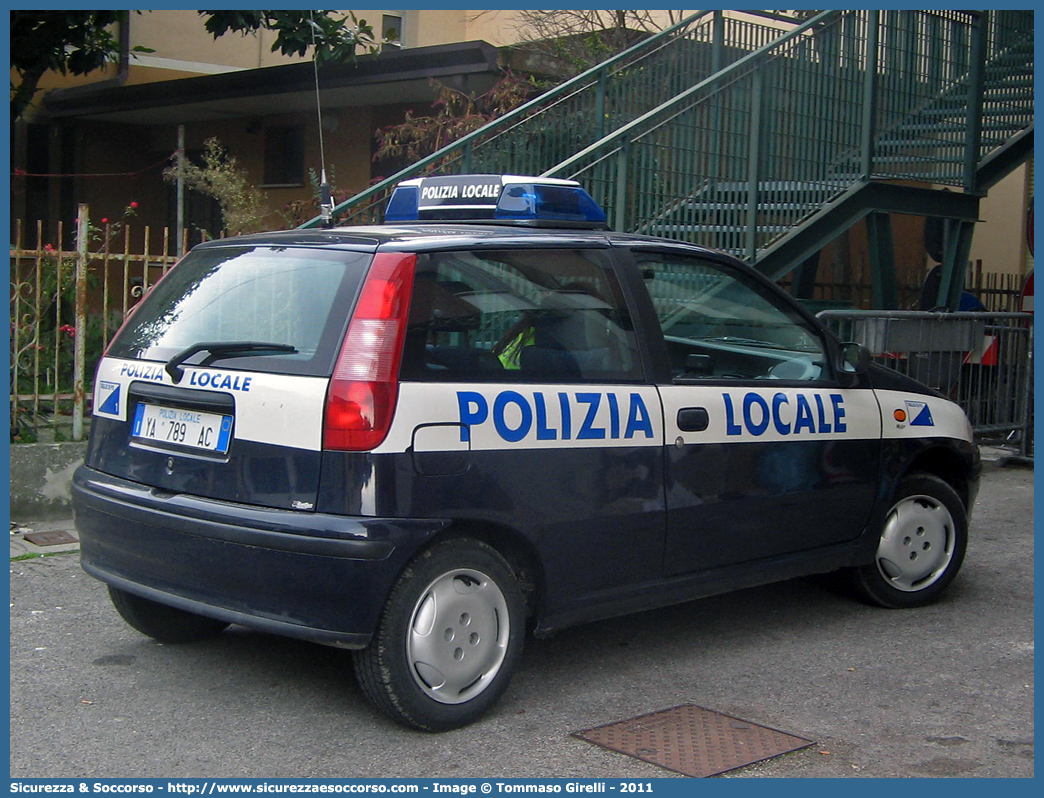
<point x="528" y="201"/>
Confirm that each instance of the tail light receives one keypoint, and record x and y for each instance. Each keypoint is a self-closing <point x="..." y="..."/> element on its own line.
<point x="360" y="401"/>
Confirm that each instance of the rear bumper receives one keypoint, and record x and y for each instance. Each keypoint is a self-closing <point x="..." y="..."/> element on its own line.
<point x="316" y="577"/>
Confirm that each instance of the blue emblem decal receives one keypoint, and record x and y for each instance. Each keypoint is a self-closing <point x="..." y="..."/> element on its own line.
<point x="109" y="394"/>
<point x="920" y="414"/>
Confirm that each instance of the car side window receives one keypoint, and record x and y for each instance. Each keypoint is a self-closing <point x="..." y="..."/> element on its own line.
<point x="720" y="324"/>
<point x="518" y="315"/>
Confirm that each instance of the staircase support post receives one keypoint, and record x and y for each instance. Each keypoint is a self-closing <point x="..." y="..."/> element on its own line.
<point x="717" y="41"/>
<point x="882" y="261"/>
<point x="620" y="199"/>
<point x="753" y="166"/>
<point x="976" y="74"/>
<point x="717" y="60"/>
<point x="955" y="262"/>
<point x="869" y="95"/>
<point x="600" y="104"/>
<point x="805" y="275"/>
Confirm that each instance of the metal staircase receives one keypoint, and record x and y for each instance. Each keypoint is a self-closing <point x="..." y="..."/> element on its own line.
<point x="769" y="142"/>
<point x="584" y="109"/>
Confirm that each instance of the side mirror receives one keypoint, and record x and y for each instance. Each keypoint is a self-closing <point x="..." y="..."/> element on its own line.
<point x="854" y="360"/>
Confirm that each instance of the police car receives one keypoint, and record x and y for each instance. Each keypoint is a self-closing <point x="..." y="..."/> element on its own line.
<point x="491" y="416"/>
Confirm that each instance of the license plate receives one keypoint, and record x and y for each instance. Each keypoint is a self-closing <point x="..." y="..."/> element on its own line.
<point x="175" y="426"/>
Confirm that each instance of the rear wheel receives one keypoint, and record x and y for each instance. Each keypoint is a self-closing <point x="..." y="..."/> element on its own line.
<point x="921" y="546"/>
<point x="449" y="638"/>
<point x="163" y="623"/>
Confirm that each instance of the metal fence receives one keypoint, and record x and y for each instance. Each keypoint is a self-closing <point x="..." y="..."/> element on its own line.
<point x="983" y="361"/>
<point x="65" y="306"/>
<point x="999" y="293"/>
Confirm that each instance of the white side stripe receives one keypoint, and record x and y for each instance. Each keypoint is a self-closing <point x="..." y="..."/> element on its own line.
<point x="511" y="416"/>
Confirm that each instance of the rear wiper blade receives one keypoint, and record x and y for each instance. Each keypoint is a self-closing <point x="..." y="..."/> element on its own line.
<point x="224" y="348"/>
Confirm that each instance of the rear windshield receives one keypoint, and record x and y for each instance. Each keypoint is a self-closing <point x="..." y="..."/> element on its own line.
<point x="297" y="297"/>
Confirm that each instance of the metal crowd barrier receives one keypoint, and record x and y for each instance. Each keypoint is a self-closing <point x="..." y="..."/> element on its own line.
<point x="981" y="360"/>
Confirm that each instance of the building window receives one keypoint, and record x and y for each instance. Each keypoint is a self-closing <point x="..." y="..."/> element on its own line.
<point x="391" y="28"/>
<point x="284" y="156"/>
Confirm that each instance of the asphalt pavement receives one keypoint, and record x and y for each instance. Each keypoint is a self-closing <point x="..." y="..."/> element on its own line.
<point x="943" y="691"/>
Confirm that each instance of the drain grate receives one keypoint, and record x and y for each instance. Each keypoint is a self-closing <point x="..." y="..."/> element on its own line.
<point x="56" y="537"/>
<point x="693" y="741"/>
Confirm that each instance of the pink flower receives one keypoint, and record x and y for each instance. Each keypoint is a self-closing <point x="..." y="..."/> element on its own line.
<point x="105" y="221"/>
<point x="48" y="248"/>
<point x="134" y="204"/>
<point x="68" y="329"/>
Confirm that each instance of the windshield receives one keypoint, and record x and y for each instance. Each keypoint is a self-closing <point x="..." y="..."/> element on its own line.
<point x="297" y="298"/>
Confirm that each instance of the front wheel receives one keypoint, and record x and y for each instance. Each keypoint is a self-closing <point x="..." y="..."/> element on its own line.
<point x="449" y="638"/>
<point x="921" y="546"/>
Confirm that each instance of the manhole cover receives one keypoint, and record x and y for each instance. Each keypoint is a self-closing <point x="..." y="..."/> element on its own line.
<point x="56" y="537"/>
<point x="693" y="741"/>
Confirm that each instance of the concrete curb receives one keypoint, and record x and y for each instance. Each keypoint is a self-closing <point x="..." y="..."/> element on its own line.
<point x="41" y="479"/>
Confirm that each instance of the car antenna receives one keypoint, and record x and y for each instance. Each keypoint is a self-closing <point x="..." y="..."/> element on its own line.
<point x="326" y="204"/>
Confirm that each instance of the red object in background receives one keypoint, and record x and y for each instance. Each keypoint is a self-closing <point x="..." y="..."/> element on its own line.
<point x="1027" y="293"/>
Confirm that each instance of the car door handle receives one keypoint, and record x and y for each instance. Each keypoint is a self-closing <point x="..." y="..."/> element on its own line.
<point x="693" y="419"/>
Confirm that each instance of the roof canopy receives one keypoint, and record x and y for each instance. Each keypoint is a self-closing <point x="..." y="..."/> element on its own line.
<point x="394" y="76"/>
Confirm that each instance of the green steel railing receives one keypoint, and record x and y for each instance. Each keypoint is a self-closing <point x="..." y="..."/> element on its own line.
<point x="584" y="109"/>
<point x="741" y="158"/>
<point x="957" y="86"/>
